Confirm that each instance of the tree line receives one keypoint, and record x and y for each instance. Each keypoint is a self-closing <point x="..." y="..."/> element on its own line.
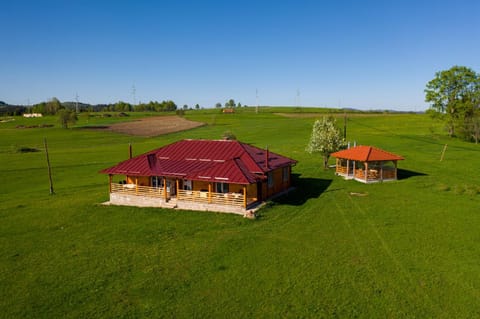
<point x="54" y="105"/>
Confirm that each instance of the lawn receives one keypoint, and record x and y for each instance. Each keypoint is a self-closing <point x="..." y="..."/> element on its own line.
<point x="409" y="248"/>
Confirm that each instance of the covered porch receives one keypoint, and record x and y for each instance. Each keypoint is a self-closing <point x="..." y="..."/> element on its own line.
<point x="183" y="194"/>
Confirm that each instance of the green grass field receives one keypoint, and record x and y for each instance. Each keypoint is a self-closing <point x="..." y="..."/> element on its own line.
<point x="411" y="248"/>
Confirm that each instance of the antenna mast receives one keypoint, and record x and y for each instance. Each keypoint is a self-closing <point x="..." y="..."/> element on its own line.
<point x="133" y="93"/>
<point x="76" y="102"/>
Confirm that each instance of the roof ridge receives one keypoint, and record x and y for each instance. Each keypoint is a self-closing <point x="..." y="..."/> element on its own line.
<point x="370" y="148"/>
<point x="245" y="151"/>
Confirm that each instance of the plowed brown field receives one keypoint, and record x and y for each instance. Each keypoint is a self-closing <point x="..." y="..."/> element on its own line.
<point x="154" y="126"/>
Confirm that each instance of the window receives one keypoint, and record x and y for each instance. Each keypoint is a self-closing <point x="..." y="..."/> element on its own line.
<point x="221" y="187"/>
<point x="157" y="181"/>
<point x="187" y="185"/>
<point x="270" y="179"/>
<point x="285" y="174"/>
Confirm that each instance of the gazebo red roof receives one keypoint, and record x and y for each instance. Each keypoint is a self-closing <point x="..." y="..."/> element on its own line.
<point x="366" y="154"/>
<point x="214" y="161"/>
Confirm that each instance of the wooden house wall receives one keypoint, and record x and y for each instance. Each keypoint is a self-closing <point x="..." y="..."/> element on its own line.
<point x="142" y="180"/>
<point x="278" y="184"/>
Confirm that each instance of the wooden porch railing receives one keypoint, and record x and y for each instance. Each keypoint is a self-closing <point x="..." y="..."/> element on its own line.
<point x="231" y="199"/>
<point x="132" y="189"/>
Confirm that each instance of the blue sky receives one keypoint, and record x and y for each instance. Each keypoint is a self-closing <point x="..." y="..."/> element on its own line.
<point x="362" y="54"/>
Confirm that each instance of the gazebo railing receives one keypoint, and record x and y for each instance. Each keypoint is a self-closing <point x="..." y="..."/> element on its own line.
<point x="375" y="174"/>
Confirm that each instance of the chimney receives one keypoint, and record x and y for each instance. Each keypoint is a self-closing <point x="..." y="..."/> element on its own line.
<point x="266" y="159"/>
<point x="130" y="150"/>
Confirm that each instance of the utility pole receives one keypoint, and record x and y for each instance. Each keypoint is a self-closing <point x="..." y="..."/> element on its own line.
<point x="256" y="94"/>
<point x="133" y="93"/>
<point x="48" y="165"/>
<point x="76" y="103"/>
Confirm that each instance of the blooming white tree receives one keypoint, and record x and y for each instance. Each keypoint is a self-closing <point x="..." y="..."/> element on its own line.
<point x="326" y="138"/>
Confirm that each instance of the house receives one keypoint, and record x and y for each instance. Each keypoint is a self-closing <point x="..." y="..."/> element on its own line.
<point x="216" y="175"/>
<point x="32" y="114"/>
<point x="366" y="164"/>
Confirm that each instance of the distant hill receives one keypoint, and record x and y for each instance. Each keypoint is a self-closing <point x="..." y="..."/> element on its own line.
<point x="10" y="110"/>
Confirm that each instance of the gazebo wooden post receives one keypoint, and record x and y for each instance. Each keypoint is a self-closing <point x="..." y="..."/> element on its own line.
<point x="245" y="196"/>
<point x="209" y="193"/>
<point x="381" y="171"/>
<point x="353" y="169"/>
<point x="348" y="166"/>
<point x="110" y="183"/>
<point x="336" y="165"/>
<point x="395" y="163"/>
<point x="366" y="172"/>
<point x="165" y="188"/>
<point x="136" y="185"/>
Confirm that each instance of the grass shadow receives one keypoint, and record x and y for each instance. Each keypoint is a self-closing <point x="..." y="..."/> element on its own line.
<point x="405" y="173"/>
<point x="305" y="188"/>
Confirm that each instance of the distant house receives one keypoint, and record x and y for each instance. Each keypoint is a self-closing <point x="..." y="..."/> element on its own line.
<point x="228" y="110"/>
<point x="32" y="114"/>
<point x="219" y="175"/>
<point x="366" y="164"/>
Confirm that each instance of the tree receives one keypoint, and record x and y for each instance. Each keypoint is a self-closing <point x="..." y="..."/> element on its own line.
<point x="197" y="106"/>
<point x="53" y="106"/>
<point x="185" y="106"/>
<point x="326" y="138"/>
<point x="229" y="136"/>
<point x="66" y="116"/>
<point x="121" y="106"/>
<point x="239" y="104"/>
<point x="218" y="105"/>
<point x="454" y="95"/>
<point x="230" y="103"/>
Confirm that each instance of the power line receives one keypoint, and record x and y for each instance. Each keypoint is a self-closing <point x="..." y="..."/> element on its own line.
<point x="133" y="93"/>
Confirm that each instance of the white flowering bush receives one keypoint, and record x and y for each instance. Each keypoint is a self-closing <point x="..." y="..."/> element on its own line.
<point x="326" y="138"/>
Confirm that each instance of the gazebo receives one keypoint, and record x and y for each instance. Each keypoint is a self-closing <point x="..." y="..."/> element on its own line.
<point x="366" y="164"/>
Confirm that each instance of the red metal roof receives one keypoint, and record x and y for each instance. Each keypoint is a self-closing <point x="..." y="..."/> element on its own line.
<point x="366" y="154"/>
<point x="213" y="161"/>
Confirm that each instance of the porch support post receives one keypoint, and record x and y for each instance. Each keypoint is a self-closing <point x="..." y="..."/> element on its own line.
<point x="353" y="169"/>
<point x="245" y="196"/>
<point x="336" y="165"/>
<point x="110" y="183"/>
<point x="178" y="188"/>
<point x="209" y="193"/>
<point x="136" y="185"/>
<point x="348" y="167"/>
<point x="165" y="188"/>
